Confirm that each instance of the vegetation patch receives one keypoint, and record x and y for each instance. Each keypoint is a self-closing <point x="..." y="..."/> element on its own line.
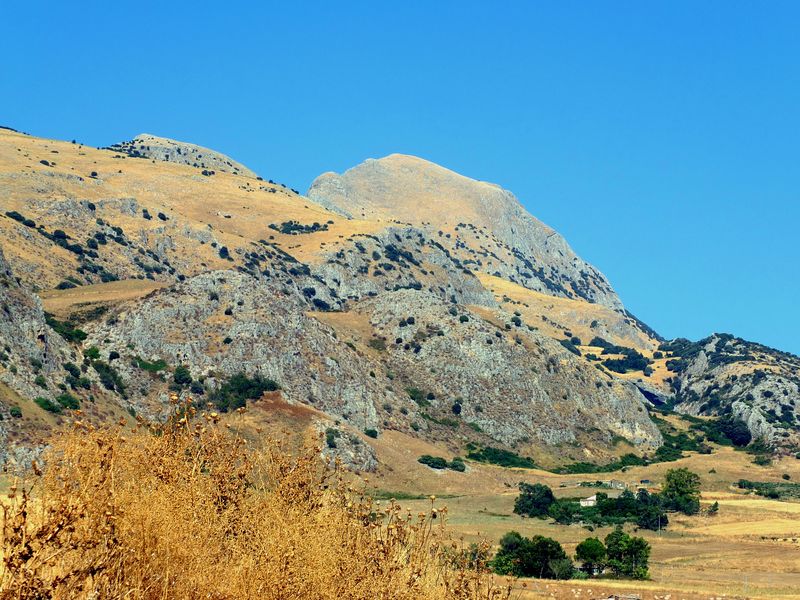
<point x="238" y="389"/>
<point x="296" y="228"/>
<point x="47" y="405"/>
<point x="153" y="367"/>
<point x="438" y="462"/>
<point x="498" y="456"/>
<point x="782" y="490"/>
<point x="65" y="329"/>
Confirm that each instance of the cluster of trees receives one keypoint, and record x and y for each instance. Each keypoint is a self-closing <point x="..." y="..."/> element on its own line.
<point x="631" y="360"/>
<point x="439" y="462"/>
<point x="681" y="493"/>
<point x="295" y="228"/>
<point x="621" y="555"/>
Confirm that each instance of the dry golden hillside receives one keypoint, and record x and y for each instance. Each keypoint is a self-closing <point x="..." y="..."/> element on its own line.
<point x="224" y="209"/>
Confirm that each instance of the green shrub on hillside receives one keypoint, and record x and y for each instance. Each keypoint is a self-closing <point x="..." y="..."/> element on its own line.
<point x="238" y="389"/>
<point x="47" y="405"/>
<point x="65" y="329"/>
<point x="152" y="367"/>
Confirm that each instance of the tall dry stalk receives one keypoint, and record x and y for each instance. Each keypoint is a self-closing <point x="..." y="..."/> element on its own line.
<point x="187" y="510"/>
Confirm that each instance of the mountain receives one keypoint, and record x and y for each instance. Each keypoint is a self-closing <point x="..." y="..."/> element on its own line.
<point x="398" y="301"/>
<point x="486" y="224"/>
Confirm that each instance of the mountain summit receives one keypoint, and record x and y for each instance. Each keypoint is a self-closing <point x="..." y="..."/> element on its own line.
<point x="502" y="237"/>
<point x="146" y="145"/>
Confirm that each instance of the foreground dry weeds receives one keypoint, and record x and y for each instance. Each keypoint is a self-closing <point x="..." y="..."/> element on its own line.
<point x="189" y="511"/>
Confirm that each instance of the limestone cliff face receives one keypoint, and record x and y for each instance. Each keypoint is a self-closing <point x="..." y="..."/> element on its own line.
<point x="225" y="322"/>
<point x="519" y="387"/>
<point x="484" y="223"/>
<point x="521" y="390"/>
<point x="29" y="348"/>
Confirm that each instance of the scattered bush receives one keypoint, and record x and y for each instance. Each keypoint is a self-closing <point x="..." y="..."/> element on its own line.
<point x="152" y="367"/>
<point x="377" y="344"/>
<point x="68" y="401"/>
<point x="434" y="462"/>
<point x="65" y="329"/>
<point x="182" y="376"/>
<point x="109" y="377"/>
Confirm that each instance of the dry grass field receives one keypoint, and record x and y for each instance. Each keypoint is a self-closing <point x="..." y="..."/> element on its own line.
<point x="195" y="512"/>
<point x="751" y="548"/>
<point x="63" y="303"/>
<point x="237" y="209"/>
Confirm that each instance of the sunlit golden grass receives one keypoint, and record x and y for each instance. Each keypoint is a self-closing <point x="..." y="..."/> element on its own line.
<point x="188" y="510"/>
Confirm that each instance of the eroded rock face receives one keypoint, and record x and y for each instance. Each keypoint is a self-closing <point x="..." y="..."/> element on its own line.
<point x="346" y="448"/>
<point x="726" y="376"/>
<point x="497" y="235"/>
<point x="396" y="258"/>
<point x="522" y="393"/>
<point x="159" y="148"/>
<point x="519" y="387"/>
<point x="29" y="348"/>
<point x="267" y="332"/>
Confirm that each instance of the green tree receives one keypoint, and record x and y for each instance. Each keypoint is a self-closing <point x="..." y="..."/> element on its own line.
<point x="182" y="375"/>
<point x="682" y="491"/>
<point x="564" y="512"/>
<point x="591" y="552"/>
<point x="538" y="556"/>
<point x="627" y="556"/>
<point x="652" y="517"/>
<point x="533" y="500"/>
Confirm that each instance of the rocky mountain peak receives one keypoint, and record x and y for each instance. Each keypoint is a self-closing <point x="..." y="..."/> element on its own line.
<point x="487" y="220"/>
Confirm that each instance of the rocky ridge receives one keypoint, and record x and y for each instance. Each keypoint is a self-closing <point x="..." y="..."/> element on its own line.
<point x="146" y="145"/>
<point x="726" y="376"/>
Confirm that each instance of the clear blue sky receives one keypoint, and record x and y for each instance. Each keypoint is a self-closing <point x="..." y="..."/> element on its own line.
<point x="661" y="138"/>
